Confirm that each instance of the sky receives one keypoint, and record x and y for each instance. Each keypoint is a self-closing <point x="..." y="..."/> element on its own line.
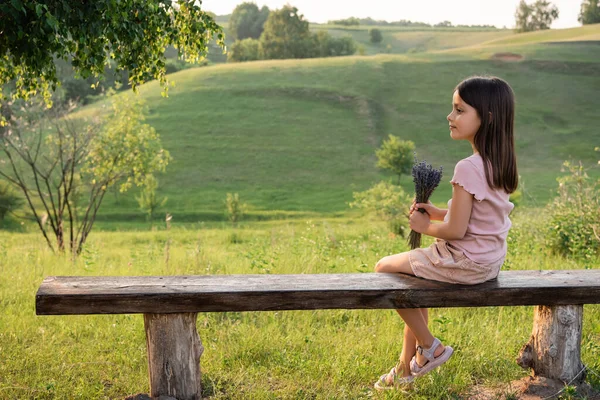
<point x="500" y="13"/>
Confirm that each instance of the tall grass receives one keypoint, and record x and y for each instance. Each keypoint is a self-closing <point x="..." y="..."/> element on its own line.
<point x="321" y="354"/>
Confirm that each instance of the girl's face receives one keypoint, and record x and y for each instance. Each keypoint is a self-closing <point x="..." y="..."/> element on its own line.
<point x="464" y="120"/>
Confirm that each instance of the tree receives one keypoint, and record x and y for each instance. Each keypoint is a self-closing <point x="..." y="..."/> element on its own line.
<point x="386" y="201"/>
<point x="590" y="12"/>
<point x="45" y="158"/>
<point x="245" y="50"/>
<point x="147" y="200"/>
<point x="396" y="155"/>
<point x="327" y="46"/>
<point x="234" y="208"/>
<point x="247" y="21"/>
<point x="352" y="21"/>
<point x="443" y="24"/>
<point x="375" y="35"/>
<point x="133" y="33"/>
<point x="286" y="35"/>
<point x="535" y="17"/>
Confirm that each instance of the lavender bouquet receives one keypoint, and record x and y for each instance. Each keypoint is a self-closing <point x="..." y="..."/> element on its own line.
<point x="426" y="179"/>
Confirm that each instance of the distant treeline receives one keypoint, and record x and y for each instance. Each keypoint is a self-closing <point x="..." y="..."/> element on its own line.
<point x="353" y="21"/>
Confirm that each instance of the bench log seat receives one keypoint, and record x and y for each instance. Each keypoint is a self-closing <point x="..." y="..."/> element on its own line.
<point x="170" y="305"/>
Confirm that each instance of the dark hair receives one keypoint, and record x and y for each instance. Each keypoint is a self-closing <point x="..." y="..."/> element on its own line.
<point x="494" y="101"/>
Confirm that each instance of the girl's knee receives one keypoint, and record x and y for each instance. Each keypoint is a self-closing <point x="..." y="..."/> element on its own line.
<point x="383" y="264"/>
<point x="394" y="263"/>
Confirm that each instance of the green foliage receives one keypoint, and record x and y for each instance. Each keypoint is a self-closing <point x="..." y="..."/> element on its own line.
<point x="535" y="17"/>
<point x="247" y="21"/>
<point x="245" y="50"/>
<point x="133" y="33"/>
<point x="148" y="201"/>
<point x="286" y="35"/>
<point x="234" y="208"/>
<point x="590" y="12"/>
<point x="352" y="21"/>
<point x="57" y="162"/>
<point x="10" y="201"/>
<point x="375" y="35"/>
<point x="320" y="44"/>
<point x="127" y="151"/>
<point x="327" y="46"/>
<point x="388" y="202"/>
<point x="574" y="215"/>
<point x="396" y="155"/>
<point x="443" y="24"/>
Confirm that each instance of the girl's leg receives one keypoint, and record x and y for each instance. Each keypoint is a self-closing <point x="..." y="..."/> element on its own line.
<point x="409" y="346"/>
<point x="413" y="317"/>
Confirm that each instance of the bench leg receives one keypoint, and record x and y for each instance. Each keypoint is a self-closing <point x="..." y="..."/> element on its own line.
<point x="174" y="350"/>
<point x="554" y="349"/>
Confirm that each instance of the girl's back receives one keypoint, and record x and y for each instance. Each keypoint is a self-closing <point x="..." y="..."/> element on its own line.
<point x="485" y="239"/>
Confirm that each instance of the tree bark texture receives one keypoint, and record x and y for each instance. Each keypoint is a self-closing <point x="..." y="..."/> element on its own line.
<point x="554" y="349"/>
<point x="174" y="350"/>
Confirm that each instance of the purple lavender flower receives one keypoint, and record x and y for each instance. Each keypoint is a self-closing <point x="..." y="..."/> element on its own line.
<point x="426" y="179"/>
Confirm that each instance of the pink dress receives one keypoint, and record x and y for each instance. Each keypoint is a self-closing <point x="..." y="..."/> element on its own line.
<point x="479" y="255"/>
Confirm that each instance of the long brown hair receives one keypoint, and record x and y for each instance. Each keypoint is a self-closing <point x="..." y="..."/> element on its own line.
<point x="494" y="101"/>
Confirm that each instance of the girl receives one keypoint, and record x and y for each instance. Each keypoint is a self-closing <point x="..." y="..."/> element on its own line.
<point x="470" y="243"/>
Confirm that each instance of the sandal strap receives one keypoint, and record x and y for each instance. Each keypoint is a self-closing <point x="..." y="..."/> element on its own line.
<point x="429" y="353"/>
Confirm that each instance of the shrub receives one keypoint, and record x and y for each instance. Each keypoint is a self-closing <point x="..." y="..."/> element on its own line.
<point x="9" y="200"/>
<point x="234" y="209"/>
<point x="574" y="223"/>
<point x="388" y="202"/>
<point x="245" y="50"/>
<point x="375" y="35"/>
<point x="327" y="46"/>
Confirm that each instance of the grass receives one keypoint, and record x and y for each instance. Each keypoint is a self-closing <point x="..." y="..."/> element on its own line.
<point x="261" y="355"/>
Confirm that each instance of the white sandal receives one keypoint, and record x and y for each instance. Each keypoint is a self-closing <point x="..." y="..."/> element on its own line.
<point x="432" y="361"/>
<point x="397" y="381"/>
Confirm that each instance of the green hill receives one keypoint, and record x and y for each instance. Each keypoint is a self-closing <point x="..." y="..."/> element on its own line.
<point x="300" y="135"/>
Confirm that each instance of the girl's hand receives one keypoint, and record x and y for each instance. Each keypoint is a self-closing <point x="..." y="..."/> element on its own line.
<point x="419" y="222"/>
<point x="436" y="214"/>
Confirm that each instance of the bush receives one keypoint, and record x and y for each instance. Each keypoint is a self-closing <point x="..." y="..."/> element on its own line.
<point x="375" y="35"/>
<point x="245" y="50"/>
<point x="327" y="46"/>
<point x="574" y="225"/>
<point x="234" y="209"/>
<point x="388" y="202"/>
<point x="9" y="200"/>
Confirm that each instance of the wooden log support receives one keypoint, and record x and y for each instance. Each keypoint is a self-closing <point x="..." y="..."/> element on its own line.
<point x="174" y="350"/>
<point x="554" y="349"/>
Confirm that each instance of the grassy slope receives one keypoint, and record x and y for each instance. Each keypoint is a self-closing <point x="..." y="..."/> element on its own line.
<point x="300" y="135"/>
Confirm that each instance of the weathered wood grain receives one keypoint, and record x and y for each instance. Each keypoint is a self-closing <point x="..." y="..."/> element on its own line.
<point x="174" y="350"/>
<point x="554" y="349"/>
<point x="181" y="294"/>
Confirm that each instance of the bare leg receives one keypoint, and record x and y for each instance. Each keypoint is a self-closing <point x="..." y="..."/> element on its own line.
<point x="415" y="318"/>
<point x="409" y="344"/>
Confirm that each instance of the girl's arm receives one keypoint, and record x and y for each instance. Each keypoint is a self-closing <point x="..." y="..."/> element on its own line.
<point x="456" y="227"/>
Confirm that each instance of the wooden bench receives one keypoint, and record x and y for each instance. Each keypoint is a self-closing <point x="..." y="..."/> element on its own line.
<point x="170" y="305"/>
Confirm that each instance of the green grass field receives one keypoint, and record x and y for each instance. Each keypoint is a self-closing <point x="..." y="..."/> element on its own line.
<point x="326" y="354"/>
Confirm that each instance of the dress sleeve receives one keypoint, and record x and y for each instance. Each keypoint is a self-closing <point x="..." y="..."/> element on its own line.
<point x="467" y="175"/>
